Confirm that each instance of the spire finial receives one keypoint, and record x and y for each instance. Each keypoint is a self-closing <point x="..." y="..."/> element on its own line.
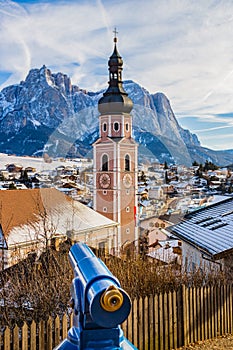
<point x="115" y="35"/>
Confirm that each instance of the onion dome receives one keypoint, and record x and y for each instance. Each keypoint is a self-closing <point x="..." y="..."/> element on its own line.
<point x="115" y="100"/>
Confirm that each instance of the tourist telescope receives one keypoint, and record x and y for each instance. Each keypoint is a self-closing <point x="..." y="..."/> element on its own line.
<point x="99" y="304"/>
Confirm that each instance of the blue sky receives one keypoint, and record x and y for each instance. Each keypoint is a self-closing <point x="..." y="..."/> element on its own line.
<point x="180" y="47"/>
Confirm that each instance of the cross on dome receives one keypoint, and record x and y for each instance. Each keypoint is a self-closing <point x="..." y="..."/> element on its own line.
<point x="115" y="35"/>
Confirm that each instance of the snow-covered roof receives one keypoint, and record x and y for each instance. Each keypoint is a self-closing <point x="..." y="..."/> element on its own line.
<point x="26" y="214"/>
<point x="165" y="253"/>
<point x="209" y="229"/>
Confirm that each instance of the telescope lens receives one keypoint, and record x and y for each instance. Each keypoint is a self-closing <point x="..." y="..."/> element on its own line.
<point x="112" y="299"/>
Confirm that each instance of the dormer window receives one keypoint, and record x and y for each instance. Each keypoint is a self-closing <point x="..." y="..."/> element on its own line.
<point x="116" y="126"/>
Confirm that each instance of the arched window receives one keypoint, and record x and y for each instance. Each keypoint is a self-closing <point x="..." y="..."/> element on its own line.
<point x="104" y="126"/>
<point x="116" y="126"/>
<point x="127" y="163"/>
<point x="105" y="162"/>
<point x="127" y="126"/>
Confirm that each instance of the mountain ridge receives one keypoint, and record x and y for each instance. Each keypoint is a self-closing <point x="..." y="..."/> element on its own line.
<point x="46" y="113"/>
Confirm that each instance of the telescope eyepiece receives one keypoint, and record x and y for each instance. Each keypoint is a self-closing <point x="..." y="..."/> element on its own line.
<point x="111" y="299"/>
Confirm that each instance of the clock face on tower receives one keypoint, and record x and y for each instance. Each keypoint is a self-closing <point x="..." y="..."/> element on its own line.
<point x="127" y="180"/>
<point x="104" y="180"/>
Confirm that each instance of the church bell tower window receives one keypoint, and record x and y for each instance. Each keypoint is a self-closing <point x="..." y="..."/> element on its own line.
<point x="104" y="127"/>
<point x="127" y="163"/>
<point x="116" y="126"/>
<point x="105" y="162"/>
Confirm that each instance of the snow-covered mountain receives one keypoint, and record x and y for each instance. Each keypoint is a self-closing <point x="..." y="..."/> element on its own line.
<point x="46" y="113"/>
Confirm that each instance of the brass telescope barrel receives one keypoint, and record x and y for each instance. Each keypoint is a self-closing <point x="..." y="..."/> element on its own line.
<point x="111" y="299"/>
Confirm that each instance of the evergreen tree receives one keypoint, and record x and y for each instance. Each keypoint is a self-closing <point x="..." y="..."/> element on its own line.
<point x="230" y="189"/>
<point x="12" y="186"/>
<point x="166" y="178"/>
<point x="195" y="163"/>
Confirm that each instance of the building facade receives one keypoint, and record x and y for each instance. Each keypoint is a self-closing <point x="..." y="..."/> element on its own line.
<point x="115" y="156"/>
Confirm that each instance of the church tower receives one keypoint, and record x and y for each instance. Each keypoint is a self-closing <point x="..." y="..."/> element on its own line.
<point x="115" y="156"/>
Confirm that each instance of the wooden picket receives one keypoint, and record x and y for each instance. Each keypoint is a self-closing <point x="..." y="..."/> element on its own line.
<point x="161" y="322"/>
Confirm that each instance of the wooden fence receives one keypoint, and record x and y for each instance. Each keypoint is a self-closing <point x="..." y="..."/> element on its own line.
<point x="161" y="322"/>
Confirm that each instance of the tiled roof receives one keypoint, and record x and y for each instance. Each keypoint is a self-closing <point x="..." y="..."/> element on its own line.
<point x="20" y="209"/>
<point x="210" y="229"/>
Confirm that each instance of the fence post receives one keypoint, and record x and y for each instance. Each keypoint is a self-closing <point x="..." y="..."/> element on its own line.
<point x="231" y="308"/>
<point x="49" y="333"/>
<point x="141" y="323"/>
<point x="7" y="339"/>
<point x="161" y="321"/>
<point x="57" y="332"/>
<point x="171" y="317"/>
<point x="152" y="311"/>
<point x="41" y="335"/>
<point x="135" y="321"/>
<point x="185" y="314"/>
<point x="25" y="336"/>
<point x="33" y="336"/>
<point x="146" y="324"/>
<point x="64" y="327"/>
<point x="180" y="317"/>
<point x="156" y="321"/>
<point x="165" y="320"/>
<point x="15" y="338"/>
<point x="175" y="317"/>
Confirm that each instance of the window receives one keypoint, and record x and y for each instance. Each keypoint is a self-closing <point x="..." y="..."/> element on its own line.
<point x="102" y="247"/>
<point x="104" y="193"/>
<point x="127" y="209"/>
<point x="105" y="162"/>
<point x="127" y="230"/>
<point x="104" y="209"/>
<point x="127" y="163"/>
<point x="116" y="126"/>
<point x="127" y="126"/>
<point x="104" y="126"/>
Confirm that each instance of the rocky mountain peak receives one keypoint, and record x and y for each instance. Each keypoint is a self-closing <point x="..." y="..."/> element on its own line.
<point x="47" y="112"/>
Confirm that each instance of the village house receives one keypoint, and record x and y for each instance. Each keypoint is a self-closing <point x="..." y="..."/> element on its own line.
<point x="155" y="192"/>
<point x="31" y="219"/>
<point x="14" y="168"/>
<point x="206" y="236"/>
<point x="167" y="252"/>
<point x="183" y="188"/>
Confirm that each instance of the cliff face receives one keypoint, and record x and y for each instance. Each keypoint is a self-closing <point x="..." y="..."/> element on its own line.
<point x="47" y="113"/>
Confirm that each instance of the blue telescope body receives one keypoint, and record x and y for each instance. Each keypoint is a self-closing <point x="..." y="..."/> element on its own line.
<point x="99" y="304"/>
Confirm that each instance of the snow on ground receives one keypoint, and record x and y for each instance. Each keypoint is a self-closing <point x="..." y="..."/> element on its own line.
<point x="37" y="163"/>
